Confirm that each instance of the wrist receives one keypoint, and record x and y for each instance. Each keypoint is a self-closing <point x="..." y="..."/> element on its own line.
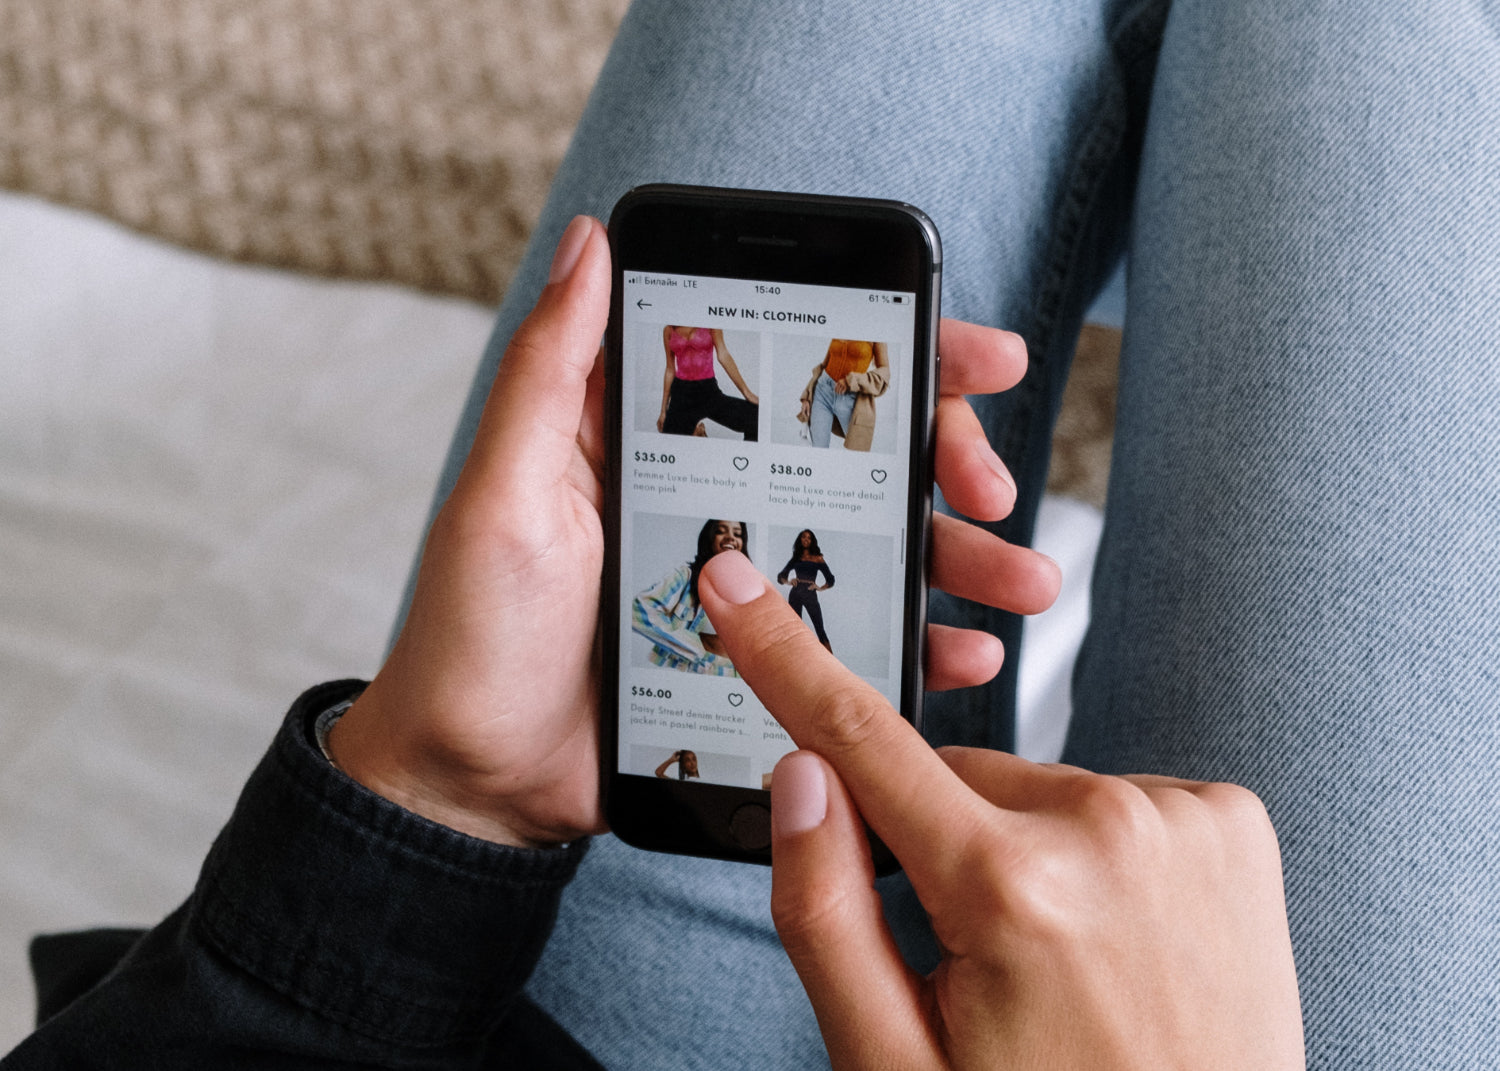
<point x="365" y="746"/>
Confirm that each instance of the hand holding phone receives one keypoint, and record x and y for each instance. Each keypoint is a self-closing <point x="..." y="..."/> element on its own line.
<point x="485" y="716"/>
<point x="1087" y="920"/>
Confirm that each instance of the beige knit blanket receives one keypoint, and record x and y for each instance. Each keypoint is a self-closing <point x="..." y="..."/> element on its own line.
<point x="411" y="142"/>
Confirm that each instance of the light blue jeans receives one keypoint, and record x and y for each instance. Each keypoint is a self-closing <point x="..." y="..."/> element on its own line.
<point x="1299" y="582"/>
<point x="828" y="405"/>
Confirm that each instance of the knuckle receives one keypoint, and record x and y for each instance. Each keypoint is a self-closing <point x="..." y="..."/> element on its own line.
<point x="1024" y="893"/>
<point x="1119" y="816"/>
<point x="806" y="912"/>
<point x="1238" y="810"/>
<point x="997" y="869"/>
<point x="1108" y="801"/>
<point x="780" y="636"/>
<point x="525" y="342"/>
<point x="958" y="759"/>
<point x="544" y="342"/>
<point x="1062" y="769"/>
<point x="772" y="640"/>
<point x="1232" y="800"/>
<point x="846" y="719"/>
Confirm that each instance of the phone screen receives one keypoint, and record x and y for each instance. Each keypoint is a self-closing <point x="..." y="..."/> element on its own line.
<point x="773" y="418"/>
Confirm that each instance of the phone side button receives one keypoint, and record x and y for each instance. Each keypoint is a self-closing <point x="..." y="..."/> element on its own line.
<point x="750" y="825"/>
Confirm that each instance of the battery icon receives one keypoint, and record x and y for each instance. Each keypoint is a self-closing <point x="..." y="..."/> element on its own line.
<point x="899" y="299"/>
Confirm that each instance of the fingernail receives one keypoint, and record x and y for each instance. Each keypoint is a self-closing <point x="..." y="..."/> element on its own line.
<point x="569" y="249"/>
<point x="799" y="794"/>
<point x="992" y="461"/>
<point x="734" y="579"/>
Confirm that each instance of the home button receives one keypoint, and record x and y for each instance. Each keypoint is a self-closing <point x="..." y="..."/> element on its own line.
<point x="751" y="826"/>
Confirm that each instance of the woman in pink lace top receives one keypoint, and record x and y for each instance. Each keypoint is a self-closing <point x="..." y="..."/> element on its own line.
<point x="690" y="392"/>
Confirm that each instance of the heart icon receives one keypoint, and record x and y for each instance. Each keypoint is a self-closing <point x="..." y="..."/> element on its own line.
<point x="735" y="699"/>
<point x="741" y="462"/>
<point x="878" y="475"/>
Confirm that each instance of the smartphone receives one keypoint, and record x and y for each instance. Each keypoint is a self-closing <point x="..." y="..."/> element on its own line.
<point x="770" y="388"/>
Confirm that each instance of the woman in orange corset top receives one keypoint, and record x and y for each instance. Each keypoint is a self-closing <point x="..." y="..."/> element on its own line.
<point x="689" y="392"/>
<point x="840" y="397"/>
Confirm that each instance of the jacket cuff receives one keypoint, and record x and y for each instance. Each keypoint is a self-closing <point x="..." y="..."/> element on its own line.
<point x="371" y="916"/>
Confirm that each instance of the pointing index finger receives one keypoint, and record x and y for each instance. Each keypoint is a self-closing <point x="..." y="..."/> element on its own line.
<point x="910" y="797"/>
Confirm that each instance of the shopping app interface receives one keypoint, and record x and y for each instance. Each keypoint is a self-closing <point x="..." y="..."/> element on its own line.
<point x="772" y="418"/>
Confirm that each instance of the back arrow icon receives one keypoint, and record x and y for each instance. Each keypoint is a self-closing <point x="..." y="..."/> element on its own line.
<point x="642" y="304"/>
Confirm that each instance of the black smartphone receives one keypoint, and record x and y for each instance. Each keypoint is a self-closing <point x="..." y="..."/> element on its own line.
<point x="771" y="381"/>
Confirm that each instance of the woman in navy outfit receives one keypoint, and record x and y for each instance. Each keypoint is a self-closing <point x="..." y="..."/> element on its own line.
<point x="807" y="562"/>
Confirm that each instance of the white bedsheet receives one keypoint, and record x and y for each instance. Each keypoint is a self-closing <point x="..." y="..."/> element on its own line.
<point x="212" y="480"/>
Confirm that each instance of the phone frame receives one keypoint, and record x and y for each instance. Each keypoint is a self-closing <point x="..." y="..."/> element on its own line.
<point x="774" y="237"/>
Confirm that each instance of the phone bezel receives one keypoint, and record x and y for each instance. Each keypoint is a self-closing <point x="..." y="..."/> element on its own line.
<point x="775" y="237"/>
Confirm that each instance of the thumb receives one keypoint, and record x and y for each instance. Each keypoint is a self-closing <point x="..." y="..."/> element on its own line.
<point x="829" y="918"/>
<point x="533" y="416"/>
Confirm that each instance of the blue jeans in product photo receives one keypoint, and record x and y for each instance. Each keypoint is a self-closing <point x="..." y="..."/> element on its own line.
<point x="828" y="405"/>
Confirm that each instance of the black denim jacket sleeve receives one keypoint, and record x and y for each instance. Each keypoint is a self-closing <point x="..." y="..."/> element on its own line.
<point x="329" y="927"/>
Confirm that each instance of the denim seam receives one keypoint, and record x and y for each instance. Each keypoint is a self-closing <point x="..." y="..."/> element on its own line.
<point x="1138" y="32"/>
